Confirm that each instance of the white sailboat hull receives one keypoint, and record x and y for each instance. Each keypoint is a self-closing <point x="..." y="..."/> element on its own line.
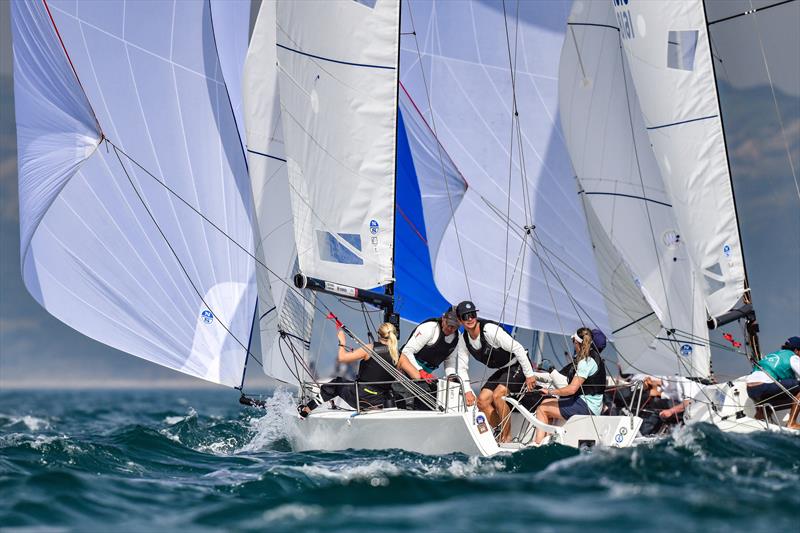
<point x="436" y="433"/>
<point x="727" y="406"/>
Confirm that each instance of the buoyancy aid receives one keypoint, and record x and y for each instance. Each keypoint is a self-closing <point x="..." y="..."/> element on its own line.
<point x="594" y="384"/>
<point x="433" y="355"/>
<point x="370" y="371"/>
<point x="486" y="354"/>
<point x="777" y="365"/>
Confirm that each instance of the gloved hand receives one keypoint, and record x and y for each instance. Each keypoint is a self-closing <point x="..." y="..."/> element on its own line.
<point x="427" y="376"/>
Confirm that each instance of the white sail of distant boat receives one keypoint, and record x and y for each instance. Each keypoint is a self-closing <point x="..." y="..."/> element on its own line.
<point x="668" y="50"/>
<point x="657" y="315"/>
<point x="134" y="198"/>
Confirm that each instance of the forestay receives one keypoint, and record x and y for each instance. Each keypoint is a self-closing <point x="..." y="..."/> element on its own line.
<point x="667" y="47"/>
<point x="492" y="179"/>
<point x="338" y="81"/>
<point x="285" y="318"/>
<point x="642" y="258"/>
<point x="106" y="248"/>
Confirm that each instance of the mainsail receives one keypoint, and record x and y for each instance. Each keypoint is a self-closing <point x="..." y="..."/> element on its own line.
<point x="338" y="95"/>
<point x="667" y="47"/>
<point x="134" y="198"/>
<point x="509" y="231"/>
<point x="657" y="314"/>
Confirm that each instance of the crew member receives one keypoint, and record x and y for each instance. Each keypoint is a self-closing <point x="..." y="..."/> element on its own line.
<point x="490" y="344"/>
<point x="432" y="343"/>
<point x="776" y="380"/>
<point x="587" y="383"/>
<point x="373" y="384"/>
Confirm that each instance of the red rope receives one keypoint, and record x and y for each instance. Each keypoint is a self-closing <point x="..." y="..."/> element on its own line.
<point x="58" y="34"/>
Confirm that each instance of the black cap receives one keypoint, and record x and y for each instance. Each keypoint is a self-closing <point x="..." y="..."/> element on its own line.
<point x="465" y="307"/>
<point x="793" y="343"/>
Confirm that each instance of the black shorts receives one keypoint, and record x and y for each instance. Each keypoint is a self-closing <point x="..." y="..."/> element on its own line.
<point x="511" y="377"/>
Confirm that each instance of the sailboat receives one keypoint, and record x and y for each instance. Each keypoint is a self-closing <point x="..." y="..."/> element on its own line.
<point x="678" y="94"/>
<point x="333" y="81"/>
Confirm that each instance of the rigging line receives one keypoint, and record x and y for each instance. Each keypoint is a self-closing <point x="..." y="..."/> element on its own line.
<point x="225" y="86"/>
<point x="175" y="254"/>
<point x="325" y="309"/>
<point x="632" y="323"/>
<point x="775" y="100"/>
<point x="641" y="181"/>
<point x="751" y="11"/>
<point x="515" y="127"/>
<point x="439" y="150"/>
<point x="249" y="343"/>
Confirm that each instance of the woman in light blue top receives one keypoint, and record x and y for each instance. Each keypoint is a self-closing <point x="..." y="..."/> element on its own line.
<point x="587" y="381"/>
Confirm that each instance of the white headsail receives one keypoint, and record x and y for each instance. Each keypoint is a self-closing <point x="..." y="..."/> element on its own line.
<point x="513" y="235"/>
<point x="113" y="241"/>
<point x="657" y="315"/>
<point x="667" y="47"/>
<point x="280" y="310"/>
<point x="337" y="64"/>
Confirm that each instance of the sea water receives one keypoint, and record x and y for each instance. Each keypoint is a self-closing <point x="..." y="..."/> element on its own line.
<point x="197" y="461"/>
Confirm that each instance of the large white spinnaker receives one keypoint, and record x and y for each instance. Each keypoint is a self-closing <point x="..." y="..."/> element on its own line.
<point x="285" y="318"/>
<point x="106" y="247"/>
<point x="457" y="69"/>
<point x="642" y="259"/>
<point x="667" y="47"/>
<point x="337" y="64"/>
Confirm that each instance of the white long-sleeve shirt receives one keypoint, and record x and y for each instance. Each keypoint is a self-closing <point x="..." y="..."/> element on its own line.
<point x="496" y="337"/>
<point x="427" y="334"/>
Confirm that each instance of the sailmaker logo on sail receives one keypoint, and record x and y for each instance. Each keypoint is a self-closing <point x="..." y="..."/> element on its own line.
<point x="207" y="316"/>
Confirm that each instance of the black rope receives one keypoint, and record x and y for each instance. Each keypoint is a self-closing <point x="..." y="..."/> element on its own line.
<point x="750" y="12"/>
<point x="175" y="254"/>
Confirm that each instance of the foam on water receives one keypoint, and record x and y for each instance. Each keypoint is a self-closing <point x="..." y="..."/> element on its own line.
<point x="273" y="426"/>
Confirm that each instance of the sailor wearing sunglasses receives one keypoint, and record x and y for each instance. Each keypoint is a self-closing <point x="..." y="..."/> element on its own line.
<point x="490" y="344"/>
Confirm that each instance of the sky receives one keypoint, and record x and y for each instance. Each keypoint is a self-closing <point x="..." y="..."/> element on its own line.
<point x="37" y="350"/>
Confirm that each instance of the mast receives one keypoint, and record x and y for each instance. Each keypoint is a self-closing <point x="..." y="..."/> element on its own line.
<point x="389" y="314"/>
<point x="751" y="324"/>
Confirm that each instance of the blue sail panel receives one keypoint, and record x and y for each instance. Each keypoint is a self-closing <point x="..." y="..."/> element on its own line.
<point x="416" y="295"/>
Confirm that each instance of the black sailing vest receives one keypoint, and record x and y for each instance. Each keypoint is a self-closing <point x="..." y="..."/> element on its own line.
<point x="594" y="384"/>
<point x="491" y="357"/>
<point x="370" y="370"/>
<point x="436" y="353"/>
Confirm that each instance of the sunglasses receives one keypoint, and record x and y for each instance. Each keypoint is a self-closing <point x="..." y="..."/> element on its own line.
<point x="469" y="315"/>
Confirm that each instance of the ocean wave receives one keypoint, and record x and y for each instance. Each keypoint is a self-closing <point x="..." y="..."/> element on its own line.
<point x="217" y="466"/>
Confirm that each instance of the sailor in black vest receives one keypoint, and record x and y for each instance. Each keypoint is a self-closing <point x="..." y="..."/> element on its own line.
<point x="373" y="384"/>
<point x="490" y="344"/>
<point x="583" y="395"/>
<point x="432" y="343"/>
